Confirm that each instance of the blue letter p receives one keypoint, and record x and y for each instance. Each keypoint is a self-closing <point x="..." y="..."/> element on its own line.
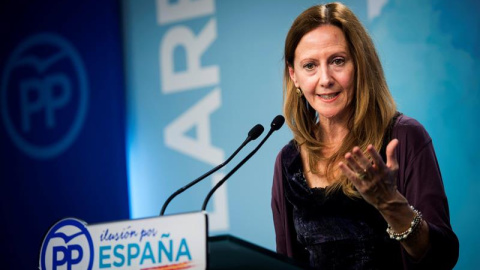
<point x="67" y="256"/>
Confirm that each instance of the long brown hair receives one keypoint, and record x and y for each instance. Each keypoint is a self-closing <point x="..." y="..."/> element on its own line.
<point x="372" y="107"/>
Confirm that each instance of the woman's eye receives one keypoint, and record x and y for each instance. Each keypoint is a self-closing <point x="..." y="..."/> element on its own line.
<point x="338" y="61"/>
<point x="309" y="66"/>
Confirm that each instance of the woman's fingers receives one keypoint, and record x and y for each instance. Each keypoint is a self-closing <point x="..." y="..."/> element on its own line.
<point x="377" y="159"/>
<point x="352" y="163"/>
<point x="390" y="153"/>
<point x="376" y="181"/>
<point x="350" y="174"/>
<point x="362" y="160"/>
<point x="363" y="168"/>
<point x="364" y="164"/>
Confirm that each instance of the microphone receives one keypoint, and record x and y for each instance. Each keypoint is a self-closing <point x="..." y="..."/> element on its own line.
<point x="274" y="126"/>
<point x="253" y="134"/>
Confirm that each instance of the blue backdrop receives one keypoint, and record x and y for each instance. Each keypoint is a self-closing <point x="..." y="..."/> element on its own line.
<point x="62" y="130"/>
<point x="199" y="78"/>
<point x="108" y="107"/>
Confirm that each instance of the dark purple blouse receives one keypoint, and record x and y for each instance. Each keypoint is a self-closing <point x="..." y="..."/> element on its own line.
<point x="419" y="180"/>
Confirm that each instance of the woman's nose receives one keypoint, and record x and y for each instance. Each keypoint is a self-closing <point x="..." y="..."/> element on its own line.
<point x="325" y="80"/>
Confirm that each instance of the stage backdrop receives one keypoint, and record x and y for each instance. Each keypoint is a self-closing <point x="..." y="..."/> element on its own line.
<point x="200" y="74"/>
<point x="62" y="121"/>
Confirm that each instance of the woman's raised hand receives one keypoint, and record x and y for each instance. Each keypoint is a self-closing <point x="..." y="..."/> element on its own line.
<point x="373" y="179"/>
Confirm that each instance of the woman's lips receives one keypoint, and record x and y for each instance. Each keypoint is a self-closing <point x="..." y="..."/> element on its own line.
<point x="328" y="97"/>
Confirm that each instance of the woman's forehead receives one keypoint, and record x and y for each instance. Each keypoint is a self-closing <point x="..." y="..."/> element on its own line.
<point x="326" y="38"/>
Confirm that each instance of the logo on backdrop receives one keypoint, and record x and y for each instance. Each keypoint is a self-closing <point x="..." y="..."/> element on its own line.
<point x="67" y="244"/>
<point x="44" y="95"/>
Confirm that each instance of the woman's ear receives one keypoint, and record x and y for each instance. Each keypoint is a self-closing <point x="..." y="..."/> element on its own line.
<point x="291" y="72"/>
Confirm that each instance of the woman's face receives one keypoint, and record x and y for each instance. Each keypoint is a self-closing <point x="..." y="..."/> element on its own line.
<point x="324" y="70"/>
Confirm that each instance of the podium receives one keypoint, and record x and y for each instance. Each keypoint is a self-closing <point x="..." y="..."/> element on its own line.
<point x="229" y="252"/>
<point x="169" y="242"/>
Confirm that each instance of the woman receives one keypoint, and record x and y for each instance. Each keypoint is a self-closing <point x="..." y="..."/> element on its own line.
<point x="337" y="202"/>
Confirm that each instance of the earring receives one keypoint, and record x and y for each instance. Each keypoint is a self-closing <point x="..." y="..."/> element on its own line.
<point x="299" y="92"/>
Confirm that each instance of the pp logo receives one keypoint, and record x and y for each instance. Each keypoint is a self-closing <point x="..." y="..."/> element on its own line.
<point x="68" y="245"/>
<point x="44" y="95"/>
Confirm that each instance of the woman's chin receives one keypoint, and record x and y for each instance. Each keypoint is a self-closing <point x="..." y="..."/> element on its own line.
<point x="332" y="115"/>
<point x="328" y="115"/>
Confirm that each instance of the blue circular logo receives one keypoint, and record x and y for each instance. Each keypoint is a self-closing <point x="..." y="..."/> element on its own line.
<point x="44" y="95"/>
<point x="68" y="245"/>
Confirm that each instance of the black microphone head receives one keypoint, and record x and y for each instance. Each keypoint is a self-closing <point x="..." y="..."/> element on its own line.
<point x="255" y="132"/>
<point x="277" y="122"/>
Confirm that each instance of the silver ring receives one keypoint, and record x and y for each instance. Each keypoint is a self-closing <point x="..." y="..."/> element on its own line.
<point x="362" y="175"/>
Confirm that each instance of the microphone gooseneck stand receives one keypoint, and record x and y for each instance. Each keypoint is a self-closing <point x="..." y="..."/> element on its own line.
<point x="275" y="125"/>
<point x="253" y="134"/>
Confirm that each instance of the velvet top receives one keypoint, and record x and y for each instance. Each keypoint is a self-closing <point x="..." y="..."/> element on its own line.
<point x="339" y="232"/>
<point x="419" y="180"/>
